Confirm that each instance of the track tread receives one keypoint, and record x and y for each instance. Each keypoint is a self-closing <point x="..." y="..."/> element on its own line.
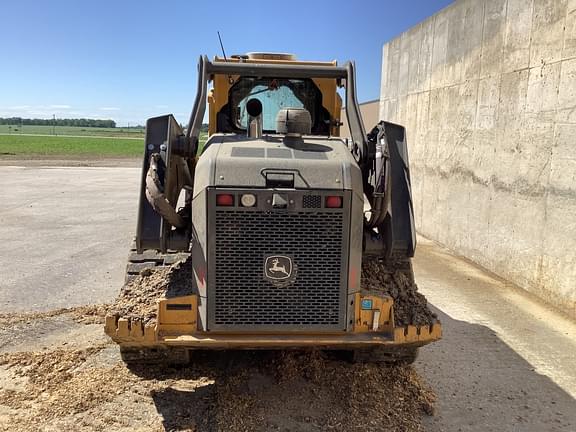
<point x="155" y="356"/>
<point x="385" y="355"/>
<point x="151" y="259"/>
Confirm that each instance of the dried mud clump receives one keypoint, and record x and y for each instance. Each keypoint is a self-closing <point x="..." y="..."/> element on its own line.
<point x="396" y="280"/>
<point x="90" y="314"/>
<point x="138" y="298"/>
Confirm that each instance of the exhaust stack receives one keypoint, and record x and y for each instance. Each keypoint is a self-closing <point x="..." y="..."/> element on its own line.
<point x="254" y="109"/>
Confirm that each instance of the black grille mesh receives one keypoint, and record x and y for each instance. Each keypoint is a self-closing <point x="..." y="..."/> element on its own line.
<point x="242" y="297"/>
<point x="312" y="201"/>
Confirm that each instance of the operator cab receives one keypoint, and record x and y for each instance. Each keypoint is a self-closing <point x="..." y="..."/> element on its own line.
<point x="232" y="97"/>
<point x="273" y="95"/>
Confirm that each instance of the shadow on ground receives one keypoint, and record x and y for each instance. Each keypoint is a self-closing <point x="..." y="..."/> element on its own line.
<point x="185" y="409"/>
<point x="484" y="385"/>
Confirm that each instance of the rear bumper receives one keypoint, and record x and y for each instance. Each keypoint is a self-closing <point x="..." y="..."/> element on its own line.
<point x="284" y="341"/>
<point x="177" y="327"/>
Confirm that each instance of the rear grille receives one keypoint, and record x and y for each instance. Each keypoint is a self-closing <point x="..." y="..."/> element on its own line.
<point x="242" y="298"/>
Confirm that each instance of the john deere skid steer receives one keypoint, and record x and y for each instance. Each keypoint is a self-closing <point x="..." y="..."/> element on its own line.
<point x="276" y="212"/>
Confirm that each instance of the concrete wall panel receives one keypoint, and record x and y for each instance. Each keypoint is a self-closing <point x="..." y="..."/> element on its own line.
<point x="425" y="62"/>
<point x="472" y="38"/>
<point x="548" y="19"/>
<point x="487" y="91"/>
<point x="542" y="97"/>
<point x="440" y="49"/>
<point x="488" y="100"/>
<point x="516" y="54"/>
<point x="414" y="43"/>
<point x="566" y="110"/>
<point x="570" y="31"/>
<point x="492" y="37"/>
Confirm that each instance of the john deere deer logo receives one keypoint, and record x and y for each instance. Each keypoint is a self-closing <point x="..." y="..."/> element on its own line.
<point x="278" y="267"/>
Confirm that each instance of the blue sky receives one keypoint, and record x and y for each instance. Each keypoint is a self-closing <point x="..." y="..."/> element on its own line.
<point x="130" y="60"/>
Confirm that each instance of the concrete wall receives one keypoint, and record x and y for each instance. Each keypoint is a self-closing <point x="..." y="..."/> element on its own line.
<point x="369" y="111"/>
<point x="487" y="91"/>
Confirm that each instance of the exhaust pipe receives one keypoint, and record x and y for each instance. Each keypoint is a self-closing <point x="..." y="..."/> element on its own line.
<point x="254" y="109"/>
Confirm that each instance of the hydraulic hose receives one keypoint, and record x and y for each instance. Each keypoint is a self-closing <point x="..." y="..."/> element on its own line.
<point x="156" y="198"/>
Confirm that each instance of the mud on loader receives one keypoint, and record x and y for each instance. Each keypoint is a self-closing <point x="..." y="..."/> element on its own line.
<point x="276" y="213"/>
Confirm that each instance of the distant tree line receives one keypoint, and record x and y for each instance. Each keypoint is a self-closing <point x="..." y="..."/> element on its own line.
<point x="82" y="122"/>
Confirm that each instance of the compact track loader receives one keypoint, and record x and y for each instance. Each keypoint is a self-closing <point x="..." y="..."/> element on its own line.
<point x="276" y="213"/>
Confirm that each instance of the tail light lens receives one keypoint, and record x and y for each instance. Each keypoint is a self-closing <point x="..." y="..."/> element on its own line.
<point x="334" y="202"/>
<point x="224" y="200"/>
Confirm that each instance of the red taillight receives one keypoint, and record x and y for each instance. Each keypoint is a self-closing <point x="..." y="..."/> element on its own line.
<point x="225" y="200"/>
<point x="334" y="202"/>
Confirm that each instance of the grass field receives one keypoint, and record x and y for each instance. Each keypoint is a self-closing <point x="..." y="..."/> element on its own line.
<point x="72" y="146"/>
<point x="71" y="130"/>
<point x="37" y="146"/>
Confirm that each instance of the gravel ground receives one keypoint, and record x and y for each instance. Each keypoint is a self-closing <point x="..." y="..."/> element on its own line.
<point x="88" y="388"/>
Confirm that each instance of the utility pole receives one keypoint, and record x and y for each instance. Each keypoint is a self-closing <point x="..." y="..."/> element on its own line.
<point x="53" y="124"/>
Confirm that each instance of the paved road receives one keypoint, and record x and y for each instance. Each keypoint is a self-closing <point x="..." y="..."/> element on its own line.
<point x="506" y="363"/>
<point x="65" y="234"/>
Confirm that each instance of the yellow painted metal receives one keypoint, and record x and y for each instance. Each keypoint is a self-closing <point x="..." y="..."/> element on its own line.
<point x="178" y="312"/>
<point x="218" y="97"/>
<point x="177" y="326"/>
<point x="221" y="84"/>
<point x="412" y="334"/>
<point x="280" y="341"/>
<point x="364" y="318"/>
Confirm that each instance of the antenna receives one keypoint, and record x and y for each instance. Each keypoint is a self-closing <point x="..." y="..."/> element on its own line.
<point x="222" y="46"/>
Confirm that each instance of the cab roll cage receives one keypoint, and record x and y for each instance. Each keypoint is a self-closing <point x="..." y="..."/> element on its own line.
<point x="347" y="72"/>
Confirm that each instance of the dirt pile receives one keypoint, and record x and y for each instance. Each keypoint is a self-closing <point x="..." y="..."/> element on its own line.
<point x="91" y="389"/>
<point x="397" y="281"/>
<point x="137" y="298"/>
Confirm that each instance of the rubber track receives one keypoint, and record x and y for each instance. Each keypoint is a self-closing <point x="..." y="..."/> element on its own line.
<point x="150" y="259"/>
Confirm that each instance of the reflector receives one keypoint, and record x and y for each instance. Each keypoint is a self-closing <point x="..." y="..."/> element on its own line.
<point x="333" y="202"/>
<point x="225" y="200"/>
